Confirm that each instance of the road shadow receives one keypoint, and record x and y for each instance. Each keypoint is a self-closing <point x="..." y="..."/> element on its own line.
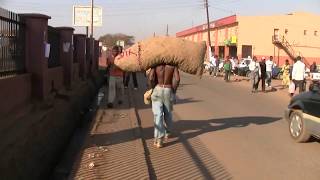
<point x="194" y="128"/>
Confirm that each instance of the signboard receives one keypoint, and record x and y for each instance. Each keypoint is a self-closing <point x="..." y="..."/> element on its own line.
<point x="82" y="16"/>
<point x="120" y="43"/>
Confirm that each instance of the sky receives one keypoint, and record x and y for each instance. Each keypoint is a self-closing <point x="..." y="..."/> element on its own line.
<point x="143" y="18"/>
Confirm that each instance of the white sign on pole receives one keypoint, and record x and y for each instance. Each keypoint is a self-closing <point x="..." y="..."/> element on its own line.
<point x="82" y="16"/>
<point x="120" y="43"/>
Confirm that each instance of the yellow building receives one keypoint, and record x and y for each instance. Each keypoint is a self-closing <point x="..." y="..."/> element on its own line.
<point x="282" y="36"/>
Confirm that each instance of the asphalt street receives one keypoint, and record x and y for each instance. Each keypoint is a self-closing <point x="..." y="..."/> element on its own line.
<point x="224" y="126"/>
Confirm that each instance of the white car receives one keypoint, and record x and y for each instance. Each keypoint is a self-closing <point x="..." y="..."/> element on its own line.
<point x="245" y="62"/>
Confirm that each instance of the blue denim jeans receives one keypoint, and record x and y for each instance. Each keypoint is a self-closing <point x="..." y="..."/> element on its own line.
<point x="269" y="77"/>
<point x="162" y="107"/>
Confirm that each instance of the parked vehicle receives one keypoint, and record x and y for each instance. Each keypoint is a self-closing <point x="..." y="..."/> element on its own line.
<point x="277" y="73"/>
<point x="303" y="114"/>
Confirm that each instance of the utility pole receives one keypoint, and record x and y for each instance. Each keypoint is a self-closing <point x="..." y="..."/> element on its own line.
<point x="208" y="23"/>
<point x="167" y="30"/>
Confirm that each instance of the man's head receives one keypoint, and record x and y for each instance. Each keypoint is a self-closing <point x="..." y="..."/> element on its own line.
<point x="115" y="50"/>
<point x="263" y="59"/>
<point x="271" y="58"/>
<point x="254" y="58"/>
<point x="298" y="58"/>
<point x="287" y="62"/>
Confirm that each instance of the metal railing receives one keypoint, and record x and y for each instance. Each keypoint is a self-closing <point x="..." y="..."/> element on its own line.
<point x="12" y="44"/>
<point x="54" y="41"/>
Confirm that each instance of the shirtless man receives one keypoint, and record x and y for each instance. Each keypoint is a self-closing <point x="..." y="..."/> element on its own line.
<point x="161" y="79"/>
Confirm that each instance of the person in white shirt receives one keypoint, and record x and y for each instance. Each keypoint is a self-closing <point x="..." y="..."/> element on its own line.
<point x="254" y="67"/>
<point x="298" y="74"/>
<point x="212" y="62"/>
<point x="269" y="66"/>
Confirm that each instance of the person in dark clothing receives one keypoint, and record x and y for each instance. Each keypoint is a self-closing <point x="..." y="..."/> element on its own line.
<point x="263" y="76"/>
<point x="127" y="79"/>
<point x="313" y="67"/>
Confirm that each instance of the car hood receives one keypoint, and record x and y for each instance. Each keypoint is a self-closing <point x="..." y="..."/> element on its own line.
<point x="302" y="96"/>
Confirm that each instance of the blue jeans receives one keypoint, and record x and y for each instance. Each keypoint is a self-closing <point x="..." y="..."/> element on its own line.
<point x="269" y="77"/>
<point x="162" y="110"/>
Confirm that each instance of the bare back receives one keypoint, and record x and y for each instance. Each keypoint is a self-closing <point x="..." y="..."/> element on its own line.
<point x="164" y="74"/>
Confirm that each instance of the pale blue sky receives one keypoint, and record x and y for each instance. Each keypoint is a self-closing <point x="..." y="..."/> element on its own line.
<point x="143" y="17"/>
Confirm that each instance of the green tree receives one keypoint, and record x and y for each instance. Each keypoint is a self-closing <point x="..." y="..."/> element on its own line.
<point x="110" y="40"/>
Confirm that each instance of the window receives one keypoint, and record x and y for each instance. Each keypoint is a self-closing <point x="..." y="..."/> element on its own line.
<point x="286" y="31"/>
<point x="316" y="33"/>
<point x="305" y="32"/>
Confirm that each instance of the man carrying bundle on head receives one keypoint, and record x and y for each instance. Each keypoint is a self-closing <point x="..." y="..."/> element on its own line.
<point x="164" y="79"/>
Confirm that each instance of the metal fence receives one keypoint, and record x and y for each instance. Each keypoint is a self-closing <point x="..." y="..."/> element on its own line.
<point x="12" y="44"/>
<point x="54" y="41"/>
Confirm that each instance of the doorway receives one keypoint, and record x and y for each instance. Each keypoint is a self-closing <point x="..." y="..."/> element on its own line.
<point x="246" y="51"/>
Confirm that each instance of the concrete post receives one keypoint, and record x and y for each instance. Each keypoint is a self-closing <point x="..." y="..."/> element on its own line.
<point x="36" y="62"/>
<point x="80" y="54"/>
<point x="96" y="57"/>
<point x="226" y="51"/>
<point x="66" y="54"/>
<point x="89" y="56"/>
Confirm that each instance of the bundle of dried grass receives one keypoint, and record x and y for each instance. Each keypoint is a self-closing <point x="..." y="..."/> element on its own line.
<point x="188" y="56"/>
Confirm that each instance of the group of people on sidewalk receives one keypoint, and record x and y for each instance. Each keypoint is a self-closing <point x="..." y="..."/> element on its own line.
<point x="261" y="71"/>
<point x="229" y="65"/>
<point x="118" y="79"/>
<point x="163" y="79"/>
<point x="293" y="77"/>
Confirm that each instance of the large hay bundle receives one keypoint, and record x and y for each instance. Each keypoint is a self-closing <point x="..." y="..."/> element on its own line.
<point x="187" y="55"/>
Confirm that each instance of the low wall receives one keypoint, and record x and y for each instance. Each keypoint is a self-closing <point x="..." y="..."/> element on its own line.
<point x="32" y="147"/>
<point x="55" y="79"/>
<point x="14" y="92"/>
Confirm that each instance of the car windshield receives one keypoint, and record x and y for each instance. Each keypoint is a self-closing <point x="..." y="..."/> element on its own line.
<point x="248" y="62"/>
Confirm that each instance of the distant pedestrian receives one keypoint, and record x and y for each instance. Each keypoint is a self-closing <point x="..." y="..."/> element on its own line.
<point x="216" y="66"/>
<point x="313" y="67"/>
<point x="236" y="68"/>
<point x="127" y="80"/>
<point x="298" y="74"/>
<point x="212" y="62"/>
<point x="286" y="74"/>
<point x="269" y="67"/>
<point x="254" y="68"/>
<point x="263" y="75"/>
<point x="227" y="69"/>
<point x="116" y="89"/>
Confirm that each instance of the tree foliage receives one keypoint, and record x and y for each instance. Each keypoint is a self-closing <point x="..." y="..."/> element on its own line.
<point x="110" y="40"/>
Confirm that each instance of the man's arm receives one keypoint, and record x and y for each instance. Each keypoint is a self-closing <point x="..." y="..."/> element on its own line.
<point x="176" y="82"/>
<point x="151" y="78"/>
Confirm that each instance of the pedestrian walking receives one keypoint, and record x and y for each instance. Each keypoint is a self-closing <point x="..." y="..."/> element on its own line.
<point x="269" y="67"/>
<point x="298" y="74"/>
<point x="164" y="79"/>
<point x="263" y="75"/>
<point x="236" y="68"/>
<point x="116" y="89"/>
<point x="216" y="66"/>
<point x="227" y="66"/>
<point x="254" y="68"/>
<point x="212" y="62"/>
<point x="127" y="80"/>
<point x="286" y="74"/>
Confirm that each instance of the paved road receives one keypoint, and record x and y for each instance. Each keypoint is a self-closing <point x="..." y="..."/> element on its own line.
<point x="225" y="132"/>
